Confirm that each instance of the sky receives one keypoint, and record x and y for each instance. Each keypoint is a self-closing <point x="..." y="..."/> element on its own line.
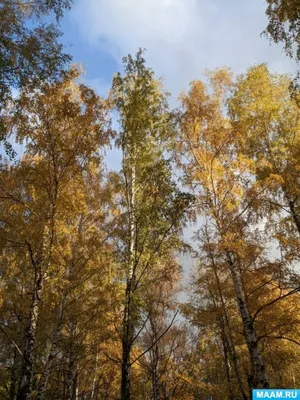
<point x="182" y="38"/>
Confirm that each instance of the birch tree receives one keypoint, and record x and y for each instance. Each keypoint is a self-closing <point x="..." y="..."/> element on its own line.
<point x="152" y="206"/>
<point x="63" y="126"/>
<point x="215" y="171"/>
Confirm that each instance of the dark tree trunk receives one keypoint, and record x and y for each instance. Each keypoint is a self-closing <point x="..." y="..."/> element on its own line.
<point x="26" y="378"/>
<point x="127" y="340"/>
<point x="155" y="375"/>
<point x="14" y="377"/>
<point x="125" y="385"/>
<point x="225" y="346"/>
<point x="72" y="373"/>
<point x="295" y="214"/>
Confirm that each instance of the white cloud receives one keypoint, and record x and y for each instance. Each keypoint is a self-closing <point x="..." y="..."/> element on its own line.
<point x="182" y="37"/>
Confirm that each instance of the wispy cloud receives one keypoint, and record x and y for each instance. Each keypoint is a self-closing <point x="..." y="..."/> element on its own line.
<point x="182" y="37"/>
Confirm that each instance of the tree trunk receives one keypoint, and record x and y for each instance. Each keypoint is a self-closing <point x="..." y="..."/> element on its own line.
<point x="26" y="379"/>
<point x="223" y="333"/>
<point x="295" y="214"/>
<point x="227" y="330"/>
<point x="292" y="206"/>
<point x="155" y="377"/>
<point x="94" y="384"/>
<point x="72" y="375"/>
<point x="225" y="346"/>
<point x="128" y="325"/>
<point x="125" y="385"/>
<point x="127" y="344"/>
<point x="154" y="363"/>
<point x="14" y="377"/>
<point x="71" y="379"/>
<point x="258" y="378"/>
<point x="52" y="353"/>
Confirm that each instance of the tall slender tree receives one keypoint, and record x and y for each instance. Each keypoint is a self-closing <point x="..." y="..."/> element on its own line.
<point x="153" y="206"/>
<point x="215" y="168"/>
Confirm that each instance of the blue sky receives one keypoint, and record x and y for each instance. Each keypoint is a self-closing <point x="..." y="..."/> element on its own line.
<point x="182" y="38"/>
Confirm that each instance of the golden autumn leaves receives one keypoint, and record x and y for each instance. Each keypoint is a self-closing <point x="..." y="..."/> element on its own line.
<point x="90" y="269"/>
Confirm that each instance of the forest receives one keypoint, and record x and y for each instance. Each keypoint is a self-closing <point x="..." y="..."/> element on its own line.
<point x="93" y="299"/>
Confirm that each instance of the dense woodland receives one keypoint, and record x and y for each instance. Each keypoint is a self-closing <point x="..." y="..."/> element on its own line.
<point x="91" y="280"/>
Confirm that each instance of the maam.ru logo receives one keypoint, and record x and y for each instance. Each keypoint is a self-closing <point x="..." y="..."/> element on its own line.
<point x="275" y="394"/>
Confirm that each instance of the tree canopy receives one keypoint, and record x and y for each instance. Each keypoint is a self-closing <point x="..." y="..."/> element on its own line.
<point x="94" y="299"/>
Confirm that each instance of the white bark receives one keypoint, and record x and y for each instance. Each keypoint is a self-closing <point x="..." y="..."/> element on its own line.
<point x="259" y="378"/>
